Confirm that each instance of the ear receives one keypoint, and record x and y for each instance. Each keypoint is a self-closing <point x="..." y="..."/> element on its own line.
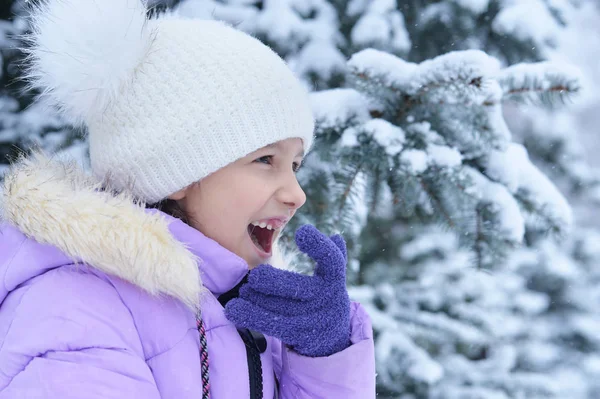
<point x="179" y="195"/>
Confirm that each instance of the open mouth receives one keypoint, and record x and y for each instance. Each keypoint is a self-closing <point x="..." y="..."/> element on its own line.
<point x="261" y="237"/>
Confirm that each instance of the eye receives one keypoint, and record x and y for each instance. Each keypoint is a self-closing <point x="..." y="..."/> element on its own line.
<point x="266" y="157"/>
<point x="296" y="166"/>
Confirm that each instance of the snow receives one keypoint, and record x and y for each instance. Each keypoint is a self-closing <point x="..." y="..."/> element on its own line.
<point x="587" y="326"/>
<point x="391" y="70"/>
<point x="589" y="245"/>
<point x="468" y="392"/>
<point x="319" y="57"/>
<point x="514" y="170"/>
<point x="356" y="7"/>
<point x="592" y="364"/>
<point x="337" y="107"/>
<point x="475" y="6"/>
<point x="420" y="365"/>
<point x="381" y="6"/>
<point x="426" y="243"/>
<point x="359" y="203"/>
<point x="443" y="156"/>
<point x="9" y="135"/>
<point x="370" y="28"/>
<point x="239" y="14"/>
<point x="517" y="20"/>
<point x="511" y="223"/>
<point x="415" y="160"/>
<point x="452" y="329"/>
<point x="540" y="77"/>
<point x="540" y="354"/>
<point x="389" y="136"/>
<point x="400" y="38"/>
<point x="381" y="25"/>
<point x="349" y="138"/>
<point x="281" y="24"/>
<point x="559" y="264"/>
<point x="531" y="303"/>
<point x="450" y="78"/>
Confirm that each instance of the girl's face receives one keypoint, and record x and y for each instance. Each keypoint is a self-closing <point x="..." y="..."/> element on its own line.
<point x="258" y="187"/>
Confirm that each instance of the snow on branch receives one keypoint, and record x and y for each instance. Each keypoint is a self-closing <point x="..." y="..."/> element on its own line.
<point x="542" y="83"/>
<point x="383" y="68"/>
<point x="338" y="108"/>
<point x="434" y="133"/>
<point x="381" y="26"/>
<point x="531" y="187"/>
<point x="462" y="77"/>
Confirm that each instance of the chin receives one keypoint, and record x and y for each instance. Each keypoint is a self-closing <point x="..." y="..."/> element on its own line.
<point x="252" y="263"/>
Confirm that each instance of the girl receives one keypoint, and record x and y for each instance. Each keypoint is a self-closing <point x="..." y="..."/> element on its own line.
<point x="103" y="298"/>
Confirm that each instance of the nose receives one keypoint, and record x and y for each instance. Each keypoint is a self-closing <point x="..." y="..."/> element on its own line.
<point x="290" y="193"/>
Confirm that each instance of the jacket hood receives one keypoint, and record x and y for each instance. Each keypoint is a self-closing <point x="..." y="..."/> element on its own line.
<point x="63" y="215"/>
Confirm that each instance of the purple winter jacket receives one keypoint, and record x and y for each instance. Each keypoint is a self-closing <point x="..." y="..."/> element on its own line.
<point x="97" y="299"/>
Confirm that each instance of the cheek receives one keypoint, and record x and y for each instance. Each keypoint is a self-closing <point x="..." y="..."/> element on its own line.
<point x="229" y="202"/>
<point x="231" y="206"/>
<point x="248" y="193"/>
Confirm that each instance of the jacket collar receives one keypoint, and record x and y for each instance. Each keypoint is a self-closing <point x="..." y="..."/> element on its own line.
<point x="220" y="269"/>
<point x="56" y="203"/>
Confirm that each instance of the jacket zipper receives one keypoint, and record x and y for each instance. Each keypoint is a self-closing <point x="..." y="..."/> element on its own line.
<point x="255" y="344"/>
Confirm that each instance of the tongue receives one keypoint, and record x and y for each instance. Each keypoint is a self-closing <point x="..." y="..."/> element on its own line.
<point x="263" y="236"/>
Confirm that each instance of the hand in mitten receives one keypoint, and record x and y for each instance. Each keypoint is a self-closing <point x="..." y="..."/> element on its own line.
<point x="310" y="314"/>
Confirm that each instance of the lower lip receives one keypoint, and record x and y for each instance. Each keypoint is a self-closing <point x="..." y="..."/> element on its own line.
<point x="261" y="253"/>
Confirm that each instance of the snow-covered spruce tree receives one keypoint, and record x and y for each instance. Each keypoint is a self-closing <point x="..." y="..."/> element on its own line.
<point x="425" y="144"/>
<point x="562" y="341"/>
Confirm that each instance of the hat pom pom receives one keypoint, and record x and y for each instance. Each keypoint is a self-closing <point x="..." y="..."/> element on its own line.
<point x="81" y="53"/>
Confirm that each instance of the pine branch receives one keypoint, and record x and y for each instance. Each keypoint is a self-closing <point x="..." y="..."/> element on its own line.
<point x="547" y="84"/>
<point x="479" y="238"/>
<point x="437" y="201"/>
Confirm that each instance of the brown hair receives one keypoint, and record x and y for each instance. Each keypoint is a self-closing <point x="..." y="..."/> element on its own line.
<point x="170" y="207"/>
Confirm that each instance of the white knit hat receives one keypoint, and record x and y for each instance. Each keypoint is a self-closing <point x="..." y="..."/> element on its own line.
<point x="166" y="101"/>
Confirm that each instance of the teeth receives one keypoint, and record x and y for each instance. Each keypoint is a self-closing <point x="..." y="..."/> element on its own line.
<point x="262" y="225"/>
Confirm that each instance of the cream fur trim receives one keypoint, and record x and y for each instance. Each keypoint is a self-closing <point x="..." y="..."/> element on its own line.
<point x="57" y="203"/>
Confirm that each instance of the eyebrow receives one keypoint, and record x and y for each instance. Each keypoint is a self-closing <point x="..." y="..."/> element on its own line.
<point x="278" y="146"/>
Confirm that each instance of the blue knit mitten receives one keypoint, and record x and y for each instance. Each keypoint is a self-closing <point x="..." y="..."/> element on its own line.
<point x="310" y="314"/>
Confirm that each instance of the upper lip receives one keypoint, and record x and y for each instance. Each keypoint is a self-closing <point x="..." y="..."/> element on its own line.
<point x="275" y="222"/>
